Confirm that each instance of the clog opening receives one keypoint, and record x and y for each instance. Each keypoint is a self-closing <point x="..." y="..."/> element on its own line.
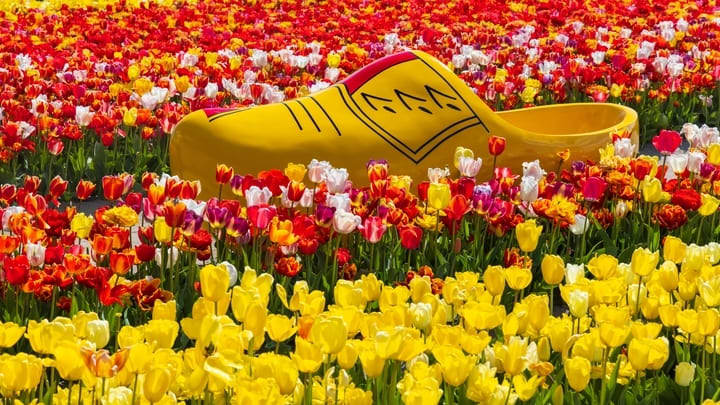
<point x="574" y="119"/>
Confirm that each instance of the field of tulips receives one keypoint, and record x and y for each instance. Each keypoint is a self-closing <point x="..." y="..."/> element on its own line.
<point x="90" y="87"/>
<point x="589" y="282"/>
<point x="585" y="283"/>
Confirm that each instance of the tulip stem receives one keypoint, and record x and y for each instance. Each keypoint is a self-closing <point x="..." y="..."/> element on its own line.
<point x="699" y="230"/>
<point x="702" y="380"/>
<point x="603" y="376"/>
<point x="637" y="300"/>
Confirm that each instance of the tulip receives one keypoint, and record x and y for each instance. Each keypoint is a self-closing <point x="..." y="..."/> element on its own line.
<point x="528" y="234"/>
<point x="674" y="249"/>
<point x="455" y="365"/>
<point x="330" y="334"/>
<point x="709" y="205"/>
<point x="279" y="328"/>
<point x="578" y="303"/>
<point x="594" y="189"/>
<point x="439" y="195"/>
<point x="652" y="190"/>
<point x="214" y="282"/>
<point x="164" y="310"/>
<point x="518" y="278"/>
<point x="98" y="332"/>
<point x="644" y="261"/>
<point x="20" y="372"/>
<point x="307" y="356"/>
<point x="603" y="266"/>
<point x="10" y="333"/>
<point x="295" y="171"/>
<point x="223" y="173"/>
<point x="577" y="372"/>
<point x="668" y="276"/>
<point x="684" y="373"/>
<point x="496" y="145"/>
<point x="667" y="142"/>
<point x="157" y="382"/>
<point x="410" y="236"/>
<point x="708" y="322"/>
<point x="494" y="280"/>
<point x="373" y="229"/>
<point x="553" y="269"/>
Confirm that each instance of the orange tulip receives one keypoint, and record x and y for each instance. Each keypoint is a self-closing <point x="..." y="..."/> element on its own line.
<point x="120" y="263"/>
<point x="31" y="184"/>
<point x="102" y="244"/>
<point x="174" y="214"/>
<point x="281" y="232"/>
<point x="156" y="194"/>
<point x="102" y="364"/>
<point x="84" y="189"/>
<point x="76" y="263"/>
<point x="8" y="244"/>
<point x="35" y="204"/>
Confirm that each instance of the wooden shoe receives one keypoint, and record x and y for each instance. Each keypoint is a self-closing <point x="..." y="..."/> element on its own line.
<point x="407" y="108"/>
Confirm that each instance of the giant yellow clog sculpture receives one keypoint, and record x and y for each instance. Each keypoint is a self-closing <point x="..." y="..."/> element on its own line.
<point x="408" y="108"/>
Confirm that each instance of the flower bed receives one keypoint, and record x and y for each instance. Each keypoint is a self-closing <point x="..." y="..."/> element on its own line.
<point x="594" y="283"/>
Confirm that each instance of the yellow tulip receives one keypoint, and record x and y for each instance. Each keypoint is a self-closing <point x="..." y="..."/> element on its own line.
<point x="347" y="293"/>
<point x="644" y="261"/>
<point x="45" y="335"/>
<point x="68" y="361"/>
<point x="577" y="372"/>
<point x="130" y="116"/>
<point x="10" y="333"/>
<point x="370" y="285"/>
<point x="638" y="352"/>
<point x="578" y="302"/>
<point x="494" y="280"/>
<point x="279" y="328"/>
<point x="161" y="230"/>
<point x="307" y="356"/>
<point x="559" y="330"/>
<point x="713" y="153"/>
<point x="526" y="388"/>
<point x="709" y="205"/>
<point x="295" y="171"/>
<point x="482" y="384"/>
<point x="603" y="266"/>
<point x="372" y="363"/>
<point x="668" y="315"/>
<point x="20" y="372"/>
<point x="518" y="277"/>
<point x="708" y="322"/>
<point x="214" y="282"/>
<point x="613" y="335"/>
<point x="688" y="320"/>
<point x="659" y="353"/>
<point x="528" y="234"/>
<point x="484" y="316"/>
<point x="130" y="335"/>
<point x="461" y="152"/>
<point x="674" y="249"/>
<point x="81" y="224"/>
<point x="652" y="190"/>
<point x="162" y="333"/>
<point x="347" y="357"/>
<point x="157" y="381"/>
<point x="439" y="195"/>
<point x="513" y="355"/>
<point x="455" y="365"/>
<point x="553" y="269"/>
<point x="164" y="310"/>
<point x="668" y="275"/>
<point x="709" y="291"/>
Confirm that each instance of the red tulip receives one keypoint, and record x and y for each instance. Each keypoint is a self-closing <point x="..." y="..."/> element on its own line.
<point x="667" y="142"/>
<point x="594" y="188"/>
<point x="58" y="186"/>
<point x="496" y="145"/>
<point x="223" y="173"/>
<point x="410" y="236"/>
<point x="16" y="269"/>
